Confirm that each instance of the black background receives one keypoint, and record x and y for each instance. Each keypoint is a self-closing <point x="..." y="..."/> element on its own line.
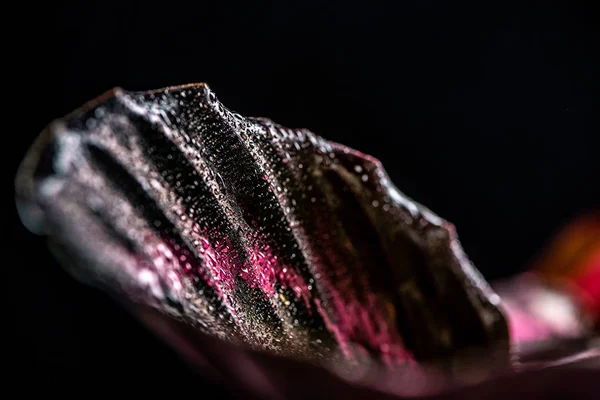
<point x="487" y="114"/>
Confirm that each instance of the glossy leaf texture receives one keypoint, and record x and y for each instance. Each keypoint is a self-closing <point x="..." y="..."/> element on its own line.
<point x="256" y="234"/>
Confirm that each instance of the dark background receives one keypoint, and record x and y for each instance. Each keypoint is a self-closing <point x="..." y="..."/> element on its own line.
<point x="487" y="114"/>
